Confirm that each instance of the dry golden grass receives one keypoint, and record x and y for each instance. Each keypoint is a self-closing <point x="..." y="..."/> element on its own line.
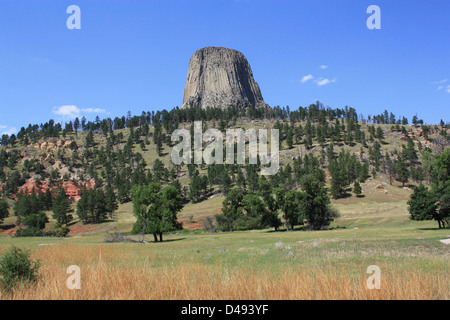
<point x="117" y="276"/>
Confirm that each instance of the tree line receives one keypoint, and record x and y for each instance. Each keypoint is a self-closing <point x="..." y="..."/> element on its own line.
<point x="117" y="165"/>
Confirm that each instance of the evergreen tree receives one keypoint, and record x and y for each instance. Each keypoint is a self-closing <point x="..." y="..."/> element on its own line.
<point x="225" y="181"/>
<point x="357" y="190"/>
<point x="89" y="141"/>
<point x="111" y="200"/>
<point x="62" y="208"/>
<point x="34" y="223"/>
<point x="380" y="133"/>
<point x="195" y="187"/>
<point x="91" y="207"/>
<point x="4" y="209"/>
<point x="290" y="139"/>
<point x="401" y="169"/>
<point x="76" y="125"/>
<point x="240" y="179"/>
<point x="337" y="189"/>
<point x="308" y="142"/>
<point x="421" y="205"/>
<point x="364" y="172"/>
<point x="409" y="152"/>
<point x="252" y="178"/>
<point x="83" y="209"/>
<point x="158" y="170"/>
<point x="24" y="206"/>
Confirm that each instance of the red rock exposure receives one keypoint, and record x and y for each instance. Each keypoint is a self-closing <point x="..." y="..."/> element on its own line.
<point x="10" y="232"/>
<point x="191" y="225"/>
<point x="73" y="191"/>
<point x="80" y="229"/>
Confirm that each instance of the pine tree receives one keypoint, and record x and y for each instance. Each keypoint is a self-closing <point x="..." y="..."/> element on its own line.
<point x="290" y="139"/>
<point x="380" y="133"/>
<point x="240" y="179"/>
<point x="195" y="187"/>
<point x="409" y="152"/>
<point x="83" y="209"/>
<point x="225" y="181"/>
<point x="4" y="209"/>
<point x="252" y="178"/>
<point x="421" y="205"/>
<point x="401" y="169"/>
<point x="337" y="189"/>
<point x="364" y="173"/>
<point x="158" y="170"/>
<point x="308" y="142"/>
<point x="111" y="200"/>
<point x="357" y="190"/>
<point x="62" y="208"/>
<point x="92" y="208"/>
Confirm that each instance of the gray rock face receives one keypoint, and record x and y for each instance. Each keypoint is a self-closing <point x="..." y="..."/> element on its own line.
<point x="220" y="77"/>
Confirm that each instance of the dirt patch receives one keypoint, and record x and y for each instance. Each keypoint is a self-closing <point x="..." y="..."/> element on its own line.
<point x="191" y="225"/>
<point x="80" y="229"/>
<point x="10" y="232"/>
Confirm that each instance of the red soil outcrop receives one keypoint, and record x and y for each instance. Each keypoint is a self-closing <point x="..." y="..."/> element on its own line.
<point x="191" y="225"/>
<point x="73" y="191"/>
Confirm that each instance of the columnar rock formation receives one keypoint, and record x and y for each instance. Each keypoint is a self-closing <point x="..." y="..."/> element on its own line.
<point x="220" y="77"/>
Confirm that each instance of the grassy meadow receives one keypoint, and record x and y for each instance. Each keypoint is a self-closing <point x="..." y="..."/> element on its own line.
<point x="262" y="264"/>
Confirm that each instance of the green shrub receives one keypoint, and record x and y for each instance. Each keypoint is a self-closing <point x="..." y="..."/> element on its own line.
<point x="16" y="267"/>
<point x="61" y="231"/>
<point x="29" y="232"/>
<point x="224" y="223"/>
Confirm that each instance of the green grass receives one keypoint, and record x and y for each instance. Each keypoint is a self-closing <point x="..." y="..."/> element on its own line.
<point x="373" y="229"/>
<point x="367" y="232"/>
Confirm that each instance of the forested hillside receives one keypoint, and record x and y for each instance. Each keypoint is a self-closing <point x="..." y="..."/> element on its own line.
<point x="325" y="154"/>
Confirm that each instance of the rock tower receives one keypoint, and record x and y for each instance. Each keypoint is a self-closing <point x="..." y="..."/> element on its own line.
<point x="220" y="77"/>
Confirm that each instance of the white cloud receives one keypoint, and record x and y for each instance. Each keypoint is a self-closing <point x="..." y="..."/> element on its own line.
<point x="7" y="130"/>
<point x="323" y="66"/>
<point x="320" y="81"/>
<point x="440" y="81"/>
<point x="441" y="85"/>
<point x="323" y="82"/>
<point x="71" y="111"/>
<point x="307" y="77"/>
<point x="93" y="110"/>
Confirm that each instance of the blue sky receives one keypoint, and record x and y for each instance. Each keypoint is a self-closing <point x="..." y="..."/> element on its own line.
<point x="133" y="55"/>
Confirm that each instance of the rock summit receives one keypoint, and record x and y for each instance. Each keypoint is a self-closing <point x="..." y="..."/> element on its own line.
<point x="220" y="77"/>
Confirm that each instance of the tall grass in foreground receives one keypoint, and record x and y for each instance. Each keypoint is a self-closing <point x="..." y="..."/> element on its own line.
<point x="116" y="277"/>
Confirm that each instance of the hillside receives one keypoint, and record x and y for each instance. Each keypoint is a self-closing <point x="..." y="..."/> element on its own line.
<point x="135" y="150"/>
